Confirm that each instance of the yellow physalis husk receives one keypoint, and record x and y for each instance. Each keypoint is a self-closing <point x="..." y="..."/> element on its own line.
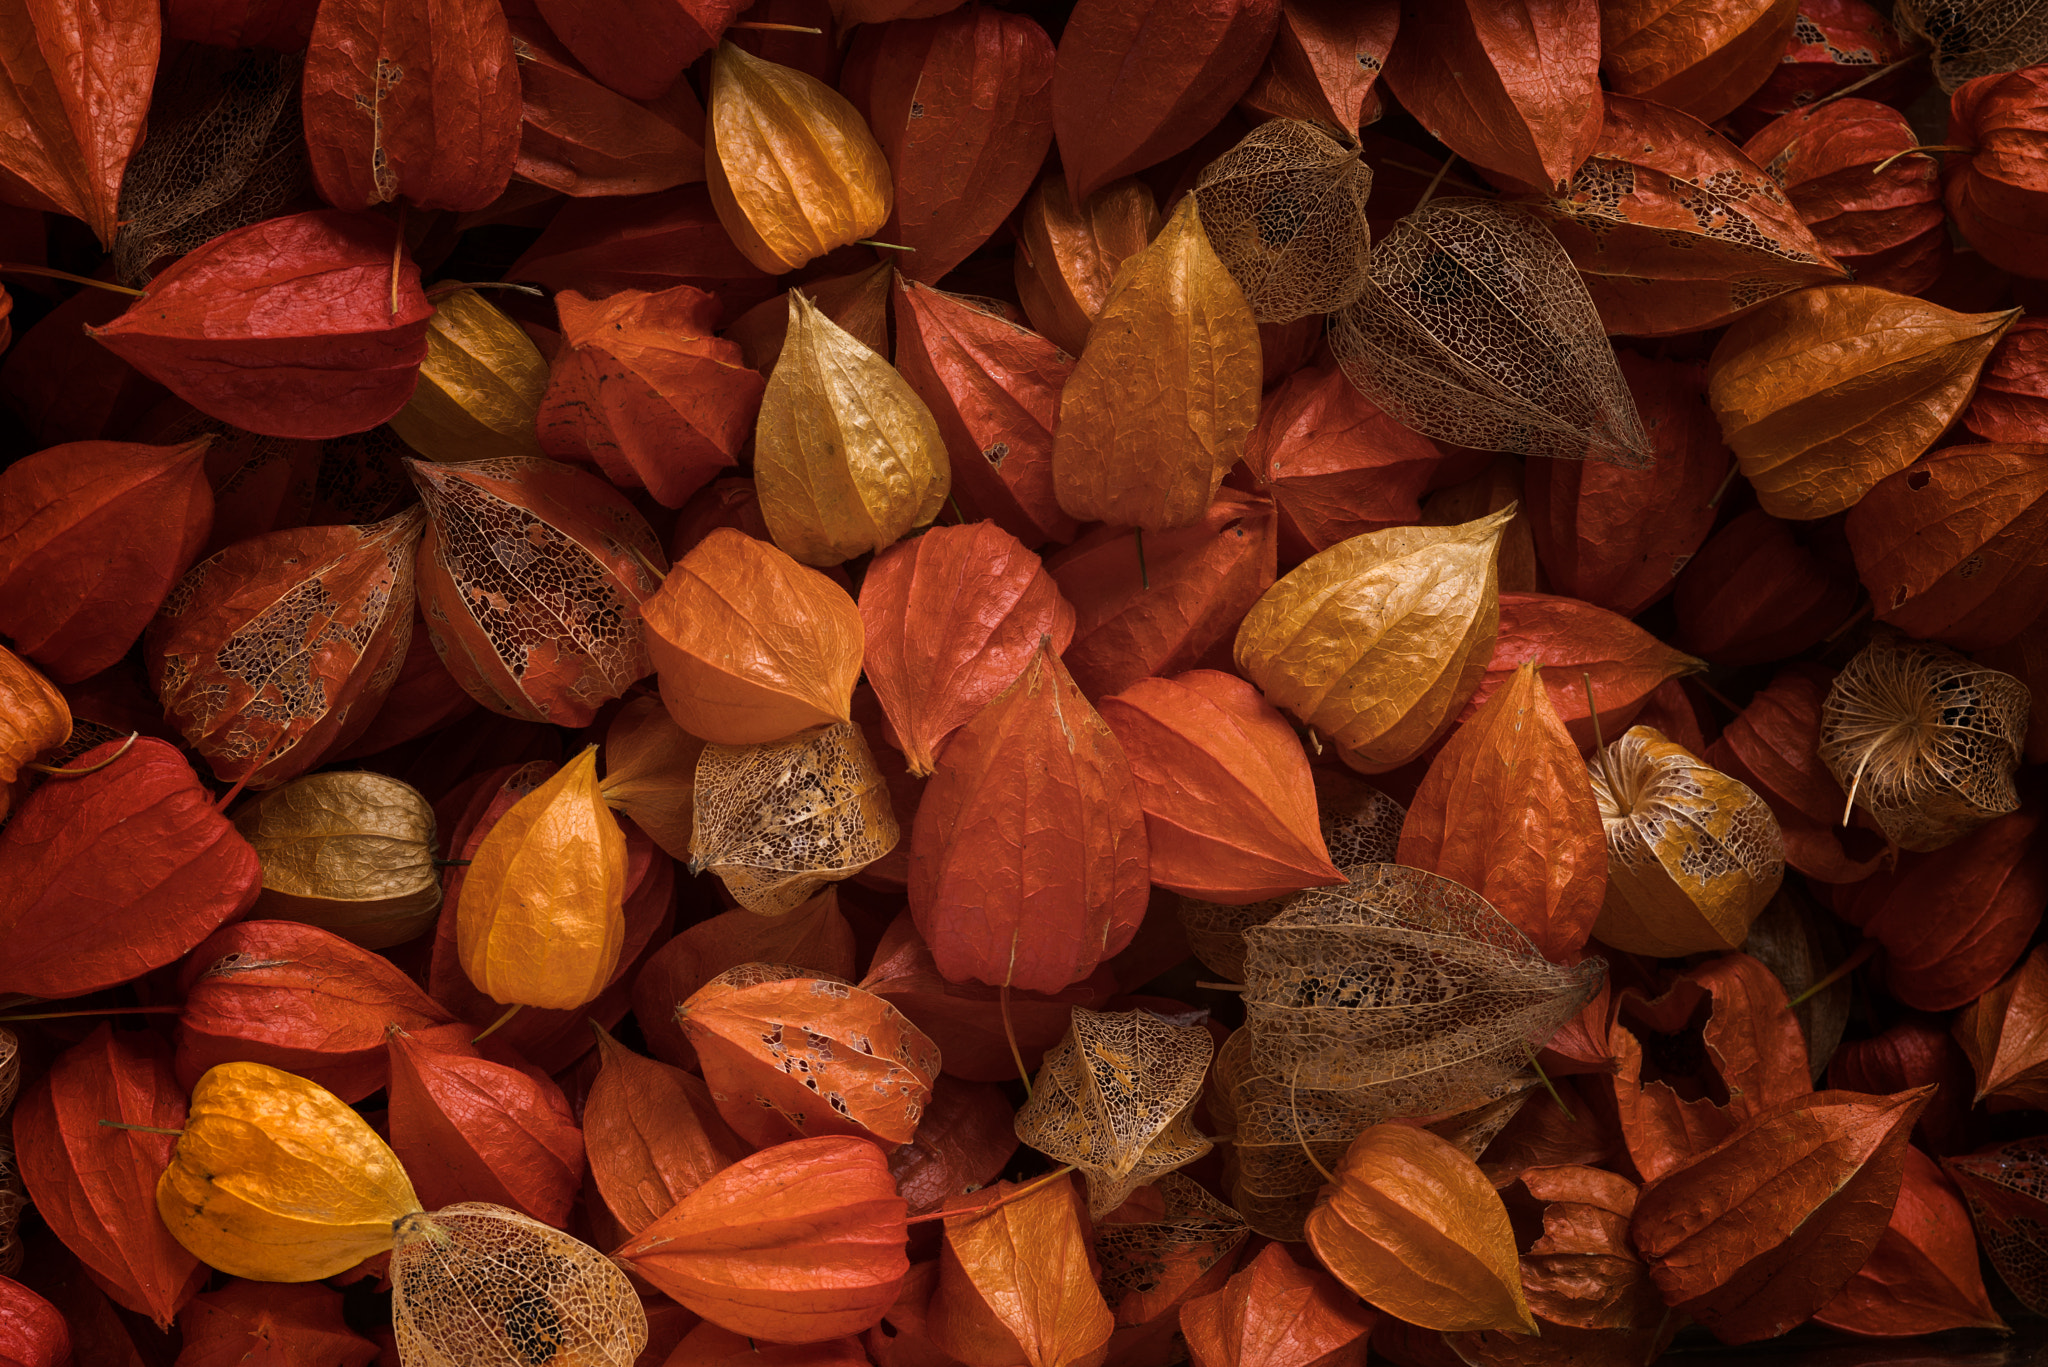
<point x="541" y="918"/>
<point x="847" y="458"/>
<point x="476" y="1283"/>
<point x="479" y="389"/>
<point x="350" y="851"/>
<point x="1693" y="856"/>
<point x="1378" y="641"/>
<point x="277" y="1180"/>
<point x="1166" y="392"/>
<point x="792" y="168"/>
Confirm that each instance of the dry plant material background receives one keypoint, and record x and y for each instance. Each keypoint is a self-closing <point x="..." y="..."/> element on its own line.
<point x="1022" y="683"/>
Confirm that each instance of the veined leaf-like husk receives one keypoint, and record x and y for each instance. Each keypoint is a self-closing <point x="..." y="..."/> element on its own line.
<point x="1166" y="393"/>
<point x="1924" y="740"/>
<point x="541" y="914"/>
<point x="1703" y="60"/>
<point x="1693" y="856"/>
<point x="1359" y="825"/>
<point x="751" y="646"/>
<point x="1067" y="257"/>
<point x="276" y="1180"/>
<point x="847" y="458"/>
<point x="281" y="648"/>
<point x="1378" y="641"/>
<point x="790" y="1054"/>
<point x="350" y="852"/>
<point x="1015" y="1284"/>
<point x="1115" y="1098"/>
<point x="1974" y="38"/>
<point x="650" y="773"/>
<point x="1153" y="1266"/>
<point x="33" y="717"/>
<point x="1414" y="1227"/>
<point x="481" y="1283"/>
<point x="777" y="822"/>
<point x="1475" y="329"/>
<point x="793" y="171"/>
<point x="480" y="385"/>
<point x="1823" y="393"/>
<point x="1273" y="1312"/>
<point x="531" y="583"/>
<point x="1285" y="212"/>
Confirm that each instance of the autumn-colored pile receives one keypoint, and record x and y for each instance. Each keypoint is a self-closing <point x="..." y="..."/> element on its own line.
<point x="1075" y="683"/>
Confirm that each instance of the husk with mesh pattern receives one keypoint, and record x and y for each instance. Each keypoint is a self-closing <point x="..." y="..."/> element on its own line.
<point x="1973" y="38"/>
<point x="1474" y="328"/>
<point x="1285" y="212"/>
<point x="1924" y="740"/>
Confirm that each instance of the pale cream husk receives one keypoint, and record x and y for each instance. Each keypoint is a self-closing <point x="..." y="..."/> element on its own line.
<point x="350" y="852"/>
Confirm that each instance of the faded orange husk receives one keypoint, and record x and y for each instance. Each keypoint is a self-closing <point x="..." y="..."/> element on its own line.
<point x="541" y="917"/>
<point x="1166" y="392"/>
<point x="847" y="458"/>
<point x="792" y="168"/>
<point x="1068" y="255"/>
<point x="1378" y="641"/>
<point x="1693" y="856"/>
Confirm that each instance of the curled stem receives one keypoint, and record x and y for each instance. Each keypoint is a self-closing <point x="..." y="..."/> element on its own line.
<point x="55" y="772"/>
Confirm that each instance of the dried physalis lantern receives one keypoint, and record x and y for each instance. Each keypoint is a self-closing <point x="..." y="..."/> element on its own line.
<point x="789" y="1053"/>
<point x="1973" y="38"/>
<point x="281" y="648"/>
<point x="1924" y="740"/>
<point x="650" y="772"/>
<point x="1285" y="210"/>
<point x="1693" y="856"/>
<point x="779" y="821"/>
<point x="531" y="584"/>
<point x="476" y="1283"/>
<point x="1067" y="256"/>
<point x="1115" y="1098"/>
<point x="792" y="169"/>
<point x="541" y="916"/>
<point x="2006" y="1187"/>
<point x="847" y="458"/>
<point x="276" y="1180"/>
<point x="351" y="852"/>
<point x="1475" y="329"/>
<point x="1378" y="641"/>
<point x="479" y="388"/>
<point x="33" y="718"/>
<point x="1360" y="825"/>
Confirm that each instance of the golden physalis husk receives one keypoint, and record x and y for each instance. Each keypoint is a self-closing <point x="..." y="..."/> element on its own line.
<point x="1924" y="740"/>
<point x="1166" y="392"/>
<point x="1693" y="856"/>
<point x="1360" y="825"/>
<point x="847" y="458"/>
<point x="476" y="1283"/>
<point x="351" y="852"/>
<point x="541" y="919"/>
<point x="1378" y="641"/>
<point x="792" y="168"/>
<point x="1475" y="328"/>
<point x="1116" y="1099"/>
<point x="276" y="1180"/>
<point x="777" y="822"/>
<point x="1285" y="211"/>
<point x="480" y="386"/>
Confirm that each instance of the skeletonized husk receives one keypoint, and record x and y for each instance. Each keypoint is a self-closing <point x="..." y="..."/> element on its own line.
<point x="1285" y="210"/>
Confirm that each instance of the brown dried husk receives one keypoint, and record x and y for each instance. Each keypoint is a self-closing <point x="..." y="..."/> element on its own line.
<point x="351" y="852"/>
<point x="1360" y="825"/>
<point x="1972" y="38"/>
<point x="13" y="1201"/>
<point x="1194" y="1228"/>
<point x="1924" y="740"/>
<point x="777" y="822"/>
<point x="1693" y="856"/>
<point x="224" y="150"/>
<point x="476" y="1284"/>
<point x="1285" y="211"/>
<point x="1115" y="1098"/>
<point x="1407" y="983"/>
<point x="1475" y="329"/>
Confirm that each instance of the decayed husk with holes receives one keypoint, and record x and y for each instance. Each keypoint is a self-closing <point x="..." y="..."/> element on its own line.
<point x="1360" y="825"/>
<point x="476" y="1283"/>
<point x="779" y="821"/>
<point x="1285" y="211"/>
<point x="1115" y="1098"/>
<point x="1924" y="740"/>
<point x="1475" y="329"/>
<point x="1974" y="38"/>
<point x="1693" y="856"/>
<point x="1151" y="1264"/>
<point x="350" y="852"/>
